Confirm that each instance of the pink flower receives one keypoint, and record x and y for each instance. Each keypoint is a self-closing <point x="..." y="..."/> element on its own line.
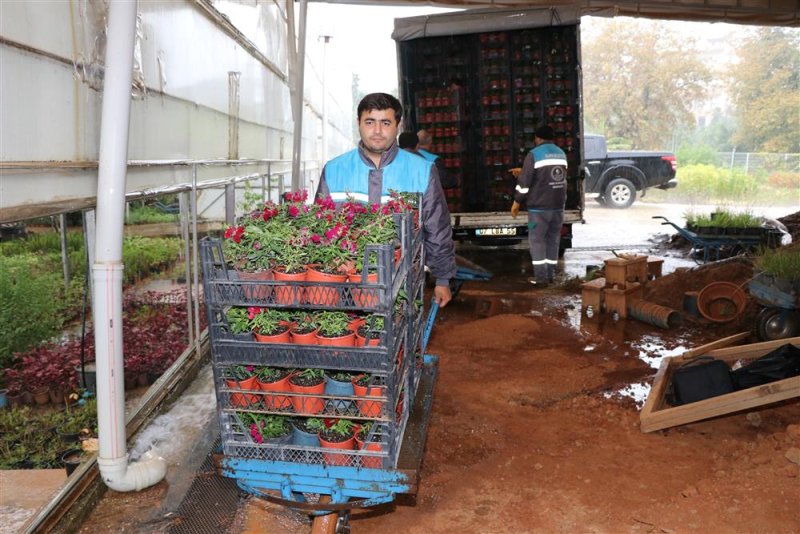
<point x="252" y="311"/>
<point x="316" y="239"/>
<point x="235" y="233"/>
<point x="293" y="211"/>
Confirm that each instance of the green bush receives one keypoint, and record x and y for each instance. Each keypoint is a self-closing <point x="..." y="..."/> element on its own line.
<point x="149" y="215"/>
<point x="32" y="306"/>
<point x="696" y="154"/>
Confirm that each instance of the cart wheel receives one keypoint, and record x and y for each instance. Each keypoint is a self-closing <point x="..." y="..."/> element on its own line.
<point x="335" y="523"/>
<point x="777" y="323"/>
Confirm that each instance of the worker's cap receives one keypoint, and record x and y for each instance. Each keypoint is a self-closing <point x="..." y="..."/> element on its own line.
<point x="408" y="140"/>
<point x="545" y="132"/>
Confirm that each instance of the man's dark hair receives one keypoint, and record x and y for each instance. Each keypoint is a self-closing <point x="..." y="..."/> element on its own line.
<point x="380" y="101"/>
<point x="408" y="140"/>
<point x="545" y="132"/>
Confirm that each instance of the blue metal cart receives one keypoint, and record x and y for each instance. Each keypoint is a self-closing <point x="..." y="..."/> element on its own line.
<point x="704" y="248"/>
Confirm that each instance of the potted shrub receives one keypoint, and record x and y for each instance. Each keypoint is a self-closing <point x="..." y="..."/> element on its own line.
<point x="241" y="377"/>
<point x="305" y="384"/>
<point x="330" y="259"/>
<point x="333" y="329"/>
<point x="238" y="323"/>
<point x="304" y="329"/>
<point x="263" y="428"/>
<point x="305" y="431"/>
<point x="291" y="257"/>
<point x="339" y="384"/>
<point x="338" y="435"/>
<point x="272" y="380"/>
<point x="270" y="325"/>
<point x="363" y="387"/>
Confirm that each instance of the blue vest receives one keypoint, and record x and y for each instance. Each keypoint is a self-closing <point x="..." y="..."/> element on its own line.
<point x="427" y="155"/>
<point x="348" y="176"/>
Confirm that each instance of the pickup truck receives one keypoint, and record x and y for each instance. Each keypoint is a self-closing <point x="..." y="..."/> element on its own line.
<point x="616" y="177"/>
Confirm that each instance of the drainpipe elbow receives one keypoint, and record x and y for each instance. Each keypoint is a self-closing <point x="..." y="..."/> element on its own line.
<point x="120" y="476"/>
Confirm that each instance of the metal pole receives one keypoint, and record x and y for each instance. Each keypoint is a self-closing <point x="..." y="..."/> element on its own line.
<point x="195" y="261"/>
<point x="327" y="39"/>
<point x="747" y="164"/>
<point x="298" y="96"/>
<point x="183" y="203"/>
<point x="62" y="230"/>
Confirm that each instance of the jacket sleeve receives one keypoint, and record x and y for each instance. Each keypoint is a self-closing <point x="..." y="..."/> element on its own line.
<point x="440" y="251"/>
<point x="525" y="180"/>
<point x="445" y="178"/>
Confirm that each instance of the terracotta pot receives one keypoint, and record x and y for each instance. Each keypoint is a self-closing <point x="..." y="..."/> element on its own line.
<point x="361" y="341"/>
<point x="276" y="402"/>
<point x="721" y="302"/>
<point x="363" y="297"/>
<point x="337" y="459"/>
<point x="309" y="338"/>
<point x="243" y="399"/>
<point x="320" y="295"/>
<point x="253" y="291"/>
<point x="289" y="294"/>
<point x="307" y="405"/>
<point x="41" y="395"/>
<point x="368" y="408"/>
<point x="346" y="340"/>
<point x="282" y="337"/>
<point x="370" y="462"/>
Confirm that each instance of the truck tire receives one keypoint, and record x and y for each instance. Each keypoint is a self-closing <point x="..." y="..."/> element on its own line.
<point x="620" y="193"/>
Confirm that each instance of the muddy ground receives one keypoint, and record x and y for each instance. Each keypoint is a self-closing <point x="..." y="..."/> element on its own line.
<point x="529" y="434"/>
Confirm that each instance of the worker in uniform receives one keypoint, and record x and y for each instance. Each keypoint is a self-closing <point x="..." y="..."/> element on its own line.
<point x="424" y="144"/>
<point x="542" y="189"/>
<point x="377" y="166"/>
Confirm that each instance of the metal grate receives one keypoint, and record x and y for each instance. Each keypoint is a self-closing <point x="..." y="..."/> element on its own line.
<point x="210" y="505"/>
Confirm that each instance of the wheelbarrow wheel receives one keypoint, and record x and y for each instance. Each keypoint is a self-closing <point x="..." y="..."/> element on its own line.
<point x="777" y="323"/>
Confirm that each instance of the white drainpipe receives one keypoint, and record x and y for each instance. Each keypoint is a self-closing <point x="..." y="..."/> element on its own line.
<point x="107" y="269"/>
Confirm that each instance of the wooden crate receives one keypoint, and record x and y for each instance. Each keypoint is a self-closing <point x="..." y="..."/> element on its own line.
<point x="624" y="270"/>
<point x="616" y="300"/>
<point x="592" y="294"/>
<point x="658" y="415"/>
<point x="654" y="268"/>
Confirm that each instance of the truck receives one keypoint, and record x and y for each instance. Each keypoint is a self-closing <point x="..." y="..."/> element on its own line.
<point x="480" y="81"/>
<point x="616" y="177"/>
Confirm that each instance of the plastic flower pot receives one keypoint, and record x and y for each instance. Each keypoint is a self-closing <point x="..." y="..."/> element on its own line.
<point x="71" y="460"/>
<point x="363" y="297"/>
<point x="320" y="295"/>
<point x="254" y="291"/>
<point x="90" y="371"/>
<point x="336" y="459"/>
<point x="371" y="462"/>
<point x="337" y="388"/>
<point x="347" y="340"/>
<point x="240" y="399"/>
<point x="368" y="408"/>
<point x="304" y="338"/>
<point x="307" y="404"/>
<point x="272" y="401"/>
<point x="281" y="337"/>
<point x="289" y="294"/>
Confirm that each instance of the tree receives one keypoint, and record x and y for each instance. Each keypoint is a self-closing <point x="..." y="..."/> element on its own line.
<point x="765" y="87"/>
<point x="640" y="81"/>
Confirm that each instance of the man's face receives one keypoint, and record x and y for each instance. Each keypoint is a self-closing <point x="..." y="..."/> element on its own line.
<point x="378" y="129"/>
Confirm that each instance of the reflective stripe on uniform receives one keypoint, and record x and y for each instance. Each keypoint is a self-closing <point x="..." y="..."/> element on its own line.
<point x="539" y="262"/>
<point x="523" y="190"/>
<point x="549" y="162"/>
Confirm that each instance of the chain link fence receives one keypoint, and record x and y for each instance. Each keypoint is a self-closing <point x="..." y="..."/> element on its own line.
<point x="759" y="162"/>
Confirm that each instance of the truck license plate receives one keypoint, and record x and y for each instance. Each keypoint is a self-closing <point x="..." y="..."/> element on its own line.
<point x="496" y="231"/>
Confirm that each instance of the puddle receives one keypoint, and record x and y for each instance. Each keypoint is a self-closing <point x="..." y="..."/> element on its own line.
<point x="652" y="350"/>
<point x="638" y="392"/>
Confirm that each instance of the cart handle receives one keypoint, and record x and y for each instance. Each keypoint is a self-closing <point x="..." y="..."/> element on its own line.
<point x="429" y="324"/>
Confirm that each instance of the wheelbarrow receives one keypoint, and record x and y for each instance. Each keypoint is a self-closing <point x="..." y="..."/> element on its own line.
<point x="704" y="248"/>
<point x="779" y="317"/>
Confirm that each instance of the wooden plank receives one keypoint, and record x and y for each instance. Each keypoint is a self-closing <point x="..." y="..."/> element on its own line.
<point x="724" y="342"/>
<point x="724" y="404"/>
<point x="657" y="415"/>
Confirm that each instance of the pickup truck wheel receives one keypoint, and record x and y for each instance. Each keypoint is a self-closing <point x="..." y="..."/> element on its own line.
<point x="620" y="193"/>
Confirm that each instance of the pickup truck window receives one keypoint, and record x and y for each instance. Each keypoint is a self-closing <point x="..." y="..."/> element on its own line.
<point x="594" y="147"/>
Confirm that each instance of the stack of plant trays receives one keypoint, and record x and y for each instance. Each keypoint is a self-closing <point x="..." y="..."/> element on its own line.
<point x="393" y="364"/>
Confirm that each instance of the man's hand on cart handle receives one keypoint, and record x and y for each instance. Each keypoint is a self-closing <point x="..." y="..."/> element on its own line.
<point x="515" y="171"/>
<point x="515" y="209"/>
<point x="442" y="295"/>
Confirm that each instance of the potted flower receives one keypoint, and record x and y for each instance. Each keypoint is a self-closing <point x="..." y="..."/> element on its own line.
<point x="338" y="435"/>
<point x="330" y="261"/>
<point x="304" y="384"/>
<point x="339" y="384"/>
<point x="271" y="325"/>
<point x="333" y="329"/>
<point x="244" y="253"/>
<point x="367" y="440"/>
<point x="363" y="387"/>
<point x="237" y="321"/>
<point x="241" y="377"/>
<point x="305" y="431"/>
<point x="370" y="332"/>
<point x="264" y="428"/>
<point x="290" y="250"/>
<point x="304" y="328"/>
<point x="272" y="380"/>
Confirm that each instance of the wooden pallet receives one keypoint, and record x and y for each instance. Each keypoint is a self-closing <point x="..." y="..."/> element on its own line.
<point x="658" y="415"/>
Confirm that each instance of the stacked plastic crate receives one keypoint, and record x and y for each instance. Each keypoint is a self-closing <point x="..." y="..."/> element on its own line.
<point x="391" y="365"/>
